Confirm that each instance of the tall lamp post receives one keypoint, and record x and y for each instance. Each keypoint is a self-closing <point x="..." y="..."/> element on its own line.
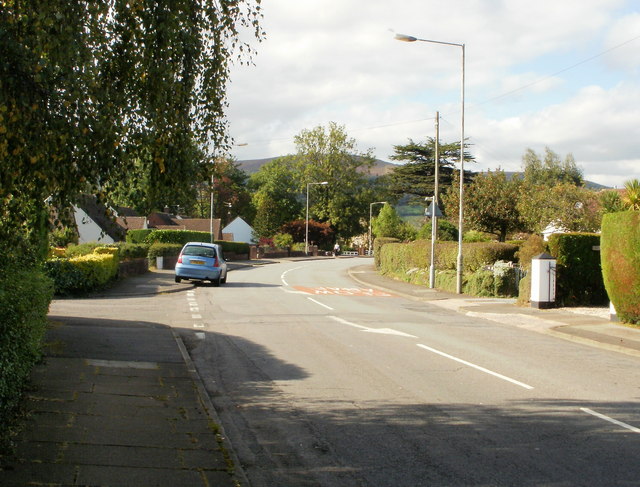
<point x="406" y="38"/>
<point x="370" y="217"/>
<point x="306" y="232"/>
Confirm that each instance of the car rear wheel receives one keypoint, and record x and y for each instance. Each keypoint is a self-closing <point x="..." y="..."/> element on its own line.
<point x="178" y="279"/>
<point x="215" y="282"/>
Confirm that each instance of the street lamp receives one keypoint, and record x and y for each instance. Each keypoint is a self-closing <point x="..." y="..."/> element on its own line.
<point x="406" y="38"/>
<point x="370" y="216"/>
<point x="306" y="232"/>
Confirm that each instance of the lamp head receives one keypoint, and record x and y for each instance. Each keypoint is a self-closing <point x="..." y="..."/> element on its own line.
<point x="405" y="38"/>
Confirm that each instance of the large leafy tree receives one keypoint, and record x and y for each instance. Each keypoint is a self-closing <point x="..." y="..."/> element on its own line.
<point x="96" y="93"/>
<point x="490" y="204"/>
<point x="574" y="208"/>
<point x="275" y="196"/>
<point x="416" y="177"/>
<point x="329" y="154"/>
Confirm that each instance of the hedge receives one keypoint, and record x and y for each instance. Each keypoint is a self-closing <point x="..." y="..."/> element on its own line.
<point x="137" y="236"/>
<point x="25" y="294"/>
<point x="79" y="275"/>
<point x="620" y="257"/>
<point x="177" y="236"/>
<point x="579" y="280"/>
<point x="397" y="258"/>
<point x="158" y="249"/>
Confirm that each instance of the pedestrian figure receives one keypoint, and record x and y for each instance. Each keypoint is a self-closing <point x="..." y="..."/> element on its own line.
<point x="336" y="249"/>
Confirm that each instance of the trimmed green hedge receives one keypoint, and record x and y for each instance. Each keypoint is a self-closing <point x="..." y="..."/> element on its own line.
<point x="25" y="295"/>
<point x="620" y="257"/>
<point x="138" y="236"/>
<point x="82" y="274"/>
<point x="579" y="278"/>
<point x="177" y="236"/>
<point x="158" y="249"/>
<point x="398" y="258"/>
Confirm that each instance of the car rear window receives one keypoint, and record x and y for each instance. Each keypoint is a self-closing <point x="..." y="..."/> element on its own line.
<point x="198" y="251"/>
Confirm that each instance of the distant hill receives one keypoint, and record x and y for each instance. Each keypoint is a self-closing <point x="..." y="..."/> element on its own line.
<point x="251" y="166"/>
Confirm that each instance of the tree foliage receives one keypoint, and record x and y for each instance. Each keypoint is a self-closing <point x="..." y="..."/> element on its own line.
<point x="490" y="204"/>
<point x="275" y="196"/>
<point x="389" y="224"/>
<point x="416" y="177"/>
<point x="550" y="170"/>
<point x="631" y="198"/>
<point x="329" y="154"/>
<point x="96" y="93"/>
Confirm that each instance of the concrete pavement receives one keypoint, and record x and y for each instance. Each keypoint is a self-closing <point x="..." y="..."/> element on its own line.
<point x="117" y="403"/>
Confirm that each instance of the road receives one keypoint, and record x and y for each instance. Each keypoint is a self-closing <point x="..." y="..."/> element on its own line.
<point x="319" y="382"/>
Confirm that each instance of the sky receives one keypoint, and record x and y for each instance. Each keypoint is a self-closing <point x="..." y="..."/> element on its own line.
<point x="563" y="74"/>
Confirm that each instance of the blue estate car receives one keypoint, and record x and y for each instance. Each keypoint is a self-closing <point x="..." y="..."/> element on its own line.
<point x="201" y="261"/>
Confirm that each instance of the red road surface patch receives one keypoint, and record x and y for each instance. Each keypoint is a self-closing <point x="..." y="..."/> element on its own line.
<point x="342" y="291"/>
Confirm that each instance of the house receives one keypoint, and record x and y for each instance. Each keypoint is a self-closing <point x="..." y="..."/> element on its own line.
<point x="94" y="223"/>
<point x="552" y="228"/>
<point x="239" y="231"/>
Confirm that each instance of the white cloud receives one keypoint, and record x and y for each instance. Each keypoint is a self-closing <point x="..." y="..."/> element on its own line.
<point x="333" y="60"/>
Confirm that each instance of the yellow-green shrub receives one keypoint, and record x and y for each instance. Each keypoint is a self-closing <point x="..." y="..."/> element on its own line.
<point x="79" y="275"/>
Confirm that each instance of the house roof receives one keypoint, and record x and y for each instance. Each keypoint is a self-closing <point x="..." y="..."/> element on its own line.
<point x="101" y="215"/>
<point x="131" y="222"/>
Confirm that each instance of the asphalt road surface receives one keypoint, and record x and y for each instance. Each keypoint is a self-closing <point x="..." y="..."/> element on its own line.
<point x="321" y="382"/>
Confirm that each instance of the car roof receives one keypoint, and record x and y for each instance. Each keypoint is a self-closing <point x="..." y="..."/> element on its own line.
<point x="202" y="244"/>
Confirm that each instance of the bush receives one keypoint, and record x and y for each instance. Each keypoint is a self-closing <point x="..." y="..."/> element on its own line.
<point x="476" y="236"/>
<point x="81" y="249"/>
<point x="132" y="251"/>
<point x="534" y="245"/>
<point x="163" y="250"/>
<point x="620" y="257"/>
<point x="579" y="278"/>
<point x="283" y="240"/>
<point x="474" y="255"/>
<point x="447" y="231"/>
<point x="177" y="236"/>
<point x="82" y="274"/>
<point x="138" y="236"/>
<point x="25" y="295"/>
<point x="378" y="243"/>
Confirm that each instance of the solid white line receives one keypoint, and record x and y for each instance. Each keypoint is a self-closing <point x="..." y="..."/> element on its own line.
<point x="611" y="420"/>
<point x="196" y="317"/>
<point x="321" y="304"/>
<point x="477" y="367"/>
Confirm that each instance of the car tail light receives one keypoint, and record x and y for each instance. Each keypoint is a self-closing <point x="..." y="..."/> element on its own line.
<point x="180" y="259"/>
<point x="216" y="263"/>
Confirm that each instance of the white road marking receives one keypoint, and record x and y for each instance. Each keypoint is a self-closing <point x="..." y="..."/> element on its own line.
<point x="611" y="420"/>
<point x="321" y="304"/>
<point x="196" y="317"/>
<point x="282" y="276"/>
<point x="198" y="325"/>
<point x="382" y="331"/>
<point x="477" y="367"/>
<point x="389" y="331"/>
<point x="200" y="335"/>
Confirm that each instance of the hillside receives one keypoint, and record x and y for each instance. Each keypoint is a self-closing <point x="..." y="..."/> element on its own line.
<point x="381" y="167"/>
<point x="251" y="166"/>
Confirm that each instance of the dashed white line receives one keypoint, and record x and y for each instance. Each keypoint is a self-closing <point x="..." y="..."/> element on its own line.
<point x="611" y="420"/>
<point x="477" y="367"/>
<point x="382" y="331"/>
